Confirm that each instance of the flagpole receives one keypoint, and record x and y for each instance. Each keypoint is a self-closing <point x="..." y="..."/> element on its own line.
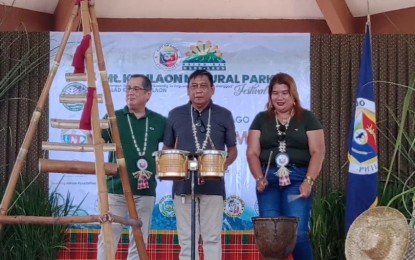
<point x="369" y="27"/>
<point x="362" y="181"/>
<point x="368" y="12"/>
<point x="368" y="24"/>
<point x="368" y="17"/>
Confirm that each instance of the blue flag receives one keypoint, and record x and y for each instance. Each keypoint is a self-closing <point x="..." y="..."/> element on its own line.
<point x="362" y="181"/>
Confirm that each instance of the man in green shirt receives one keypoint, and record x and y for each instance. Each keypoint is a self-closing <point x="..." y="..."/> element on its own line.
<point x="141" y="131"/>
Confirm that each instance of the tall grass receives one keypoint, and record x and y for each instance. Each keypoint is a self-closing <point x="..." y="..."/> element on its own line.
<point x="399" y="184"/>
<point x="19" y="69"/>
<point x="30" y="241"/>
<point x="327" y="231"/>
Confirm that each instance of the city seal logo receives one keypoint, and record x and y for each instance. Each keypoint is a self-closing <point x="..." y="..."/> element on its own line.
<point x="234" y="206"/>
<point x="167" y="57"/>
<point x="363" y="152"/>
<point x="166" y="207"/>
<point x="204" y="56"/>
<point x="74" y="88"/>
<point x="74" y="136"/>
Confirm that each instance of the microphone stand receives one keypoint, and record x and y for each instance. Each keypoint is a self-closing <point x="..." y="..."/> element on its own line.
<point x="193" y="167"/>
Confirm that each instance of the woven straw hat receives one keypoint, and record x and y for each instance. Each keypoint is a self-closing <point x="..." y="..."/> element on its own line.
<point x="378" y="233"/>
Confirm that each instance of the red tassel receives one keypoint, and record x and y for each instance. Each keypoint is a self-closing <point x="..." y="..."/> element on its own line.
<point x="85" y="122"/>
<point x="79" y="57"/>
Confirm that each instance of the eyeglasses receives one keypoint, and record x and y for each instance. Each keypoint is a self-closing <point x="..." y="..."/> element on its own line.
<point x="202" y="88"/>
<point x="282" y="129"/>
<point x="199" y="123"/>
<point x="135" y="89"/>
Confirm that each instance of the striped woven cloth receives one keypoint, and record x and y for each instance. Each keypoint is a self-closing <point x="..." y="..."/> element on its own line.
<point x="237" y="245"/>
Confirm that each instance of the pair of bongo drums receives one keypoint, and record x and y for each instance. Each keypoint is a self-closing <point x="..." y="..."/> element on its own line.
<point x="174" y="164"/>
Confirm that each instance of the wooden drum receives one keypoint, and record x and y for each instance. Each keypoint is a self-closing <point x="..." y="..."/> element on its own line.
<point x="275" y="238"/>
<point x="212" y="164"/>
<point x="172" y="164"/>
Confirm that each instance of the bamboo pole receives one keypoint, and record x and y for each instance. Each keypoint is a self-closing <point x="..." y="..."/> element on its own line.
<point x="73" y="124"/>
<point x="138" y="235"/>
<point x="79" y="167"/>
<point x="76" y="77"/>
<point x="53" y="146"/>
<point x="97" y="139"/>
<point x="69" y="220"/>
<point x="73" y="99"/>
<point x="21" y="156"/>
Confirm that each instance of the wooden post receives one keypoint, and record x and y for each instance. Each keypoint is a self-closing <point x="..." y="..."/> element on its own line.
<point x="78" y="167"/>
<point x="138" y="235"/>
<point x="97" y="140"/>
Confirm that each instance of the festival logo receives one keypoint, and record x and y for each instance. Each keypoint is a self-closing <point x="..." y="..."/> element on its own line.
<point x="74" y="136"/>
<point x="364" y="148"/>
<point x="166" y="207"/>
<point x="204" y="56"/>
<point x="167" y="57"/>
<point x="74" y="88"/>
<point x="234" y="206"/>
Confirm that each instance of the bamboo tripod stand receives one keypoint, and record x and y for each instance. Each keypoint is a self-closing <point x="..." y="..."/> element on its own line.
<point x="90" y="26"/>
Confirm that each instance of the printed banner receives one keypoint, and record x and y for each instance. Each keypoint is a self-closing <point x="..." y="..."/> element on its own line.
<point x="242" y="65"/>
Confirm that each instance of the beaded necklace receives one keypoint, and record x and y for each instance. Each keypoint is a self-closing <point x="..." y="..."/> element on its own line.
<point x="140" y="154"/>
<point x="207" y="136"/>
<point x="282" y="159"/>
<point x="282" y="135"/>
<point x="142" y="175"/>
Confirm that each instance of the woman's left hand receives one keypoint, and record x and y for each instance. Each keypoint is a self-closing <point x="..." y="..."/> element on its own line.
<point x="305" y="189"/>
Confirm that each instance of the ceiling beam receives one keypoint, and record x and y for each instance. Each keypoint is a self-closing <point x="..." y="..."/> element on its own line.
<point x="62" y="14"/>
<point x="337" y="15"/>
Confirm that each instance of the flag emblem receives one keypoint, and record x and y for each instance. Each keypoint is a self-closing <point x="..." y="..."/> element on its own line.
<point x="363" y="152"/>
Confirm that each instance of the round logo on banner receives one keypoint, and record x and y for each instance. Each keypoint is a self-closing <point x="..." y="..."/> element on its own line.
<point x="74" y="136"/>
<point x="167" y="57"/>
<point x="166" y="207"/>
<point x="234" y="206"/>
<point x="74" y="88"/>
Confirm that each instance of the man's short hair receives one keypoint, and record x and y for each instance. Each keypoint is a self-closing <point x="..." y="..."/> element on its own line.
<point x="198" y="73"/>
<point x="146" y="81"/>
